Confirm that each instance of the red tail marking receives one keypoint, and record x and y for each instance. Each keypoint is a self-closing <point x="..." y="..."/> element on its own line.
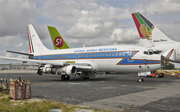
<point x="137" y="25"/>
<point x="29" y="39"/>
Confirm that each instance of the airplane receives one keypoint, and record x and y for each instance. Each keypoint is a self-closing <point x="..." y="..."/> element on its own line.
<point x="57" y="39"/>
<point x="155" y="39"/>
<point x="85" y="62"/>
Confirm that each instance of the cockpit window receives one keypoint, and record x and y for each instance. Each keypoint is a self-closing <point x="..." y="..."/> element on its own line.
<point x="157" y="52"/>
<point x="149" y="52"/>
<point x="146" y="52"/>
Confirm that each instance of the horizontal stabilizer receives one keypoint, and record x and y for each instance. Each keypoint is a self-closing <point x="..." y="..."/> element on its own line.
<point x="29" y="54"/>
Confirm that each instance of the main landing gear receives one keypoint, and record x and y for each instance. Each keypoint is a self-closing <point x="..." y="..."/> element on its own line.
<point x="65" y="77"/>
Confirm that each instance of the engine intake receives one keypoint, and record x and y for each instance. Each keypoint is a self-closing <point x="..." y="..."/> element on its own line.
<point x="69" y="70"/>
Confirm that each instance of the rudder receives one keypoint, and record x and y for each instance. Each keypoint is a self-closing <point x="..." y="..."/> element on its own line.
<point x="35" y="43"/>
<point x="149" y="33"/>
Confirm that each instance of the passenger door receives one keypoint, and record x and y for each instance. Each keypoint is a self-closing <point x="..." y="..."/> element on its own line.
<point x="130" y="56"/>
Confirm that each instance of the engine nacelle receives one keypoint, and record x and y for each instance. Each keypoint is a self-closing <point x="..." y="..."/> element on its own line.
<point x="50" y="69"/>
<point x="69" y="70"/>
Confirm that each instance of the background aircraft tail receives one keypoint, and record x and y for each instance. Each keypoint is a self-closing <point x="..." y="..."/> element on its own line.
<point x="148" y="32"/>
<point x="35" y="43"/>
<point x="57" y="40"/>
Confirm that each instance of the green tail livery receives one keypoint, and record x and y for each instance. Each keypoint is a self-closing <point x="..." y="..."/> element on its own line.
<point x="57" y="40"/>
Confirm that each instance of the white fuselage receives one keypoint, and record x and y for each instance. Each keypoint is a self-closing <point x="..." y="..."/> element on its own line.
<point x="168" y="46"/>
<point x="121" y="58"/>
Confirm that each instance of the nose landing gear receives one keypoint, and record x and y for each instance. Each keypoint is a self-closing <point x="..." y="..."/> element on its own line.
<point x="140" y="80"/>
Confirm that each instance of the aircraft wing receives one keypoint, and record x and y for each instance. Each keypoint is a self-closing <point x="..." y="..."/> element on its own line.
<point x="169" y="55"/>
<point x="30" y="60"/>
<point x="78" y="65"/>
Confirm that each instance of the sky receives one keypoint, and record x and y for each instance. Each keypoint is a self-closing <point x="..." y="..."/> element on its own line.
<point x="83" y="22"/>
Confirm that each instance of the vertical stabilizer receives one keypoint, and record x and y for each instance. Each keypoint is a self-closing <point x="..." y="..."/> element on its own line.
<point x="148" y="32"/>
<point x="57" y="40"/>
<point x="35" y="43"/>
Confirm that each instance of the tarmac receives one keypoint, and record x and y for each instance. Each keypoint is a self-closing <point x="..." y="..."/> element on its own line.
<point x="112" y="92"/>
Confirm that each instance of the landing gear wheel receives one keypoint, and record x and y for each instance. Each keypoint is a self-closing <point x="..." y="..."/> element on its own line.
<point x="162" y="75"/>
<point x="157" y="75"/>
<point x="140" y="80"/>
<point x="39" y="72"/>
<point x="63" y="77"/>
<point x="67" y="77"/>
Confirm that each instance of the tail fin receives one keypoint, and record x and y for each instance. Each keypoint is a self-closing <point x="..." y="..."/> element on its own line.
<point x="57" y="40"/>
<point x="149" y="33"/>
<point x="35" y="43"/>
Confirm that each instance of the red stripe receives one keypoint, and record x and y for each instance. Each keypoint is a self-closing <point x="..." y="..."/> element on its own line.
<point x="169" y="54"/>
<point x="137" y="24"/>
<point x="29" y="40"/>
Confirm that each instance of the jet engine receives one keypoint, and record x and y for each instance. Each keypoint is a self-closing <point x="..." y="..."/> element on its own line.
<point x="50" y="69"/>
<point x="68" y="70"/>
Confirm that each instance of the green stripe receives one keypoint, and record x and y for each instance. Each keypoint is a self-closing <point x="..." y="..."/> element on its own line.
<point x="70" y="62"/>
<point x="141" y="21"/>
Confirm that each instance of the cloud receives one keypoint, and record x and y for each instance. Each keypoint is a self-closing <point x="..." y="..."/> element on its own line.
<point x="18" y="45"/>
<point x="61" y="11"/>
<point x="128" y="35"/>
<point x="91" y="28"/>
<point x="15" y="15"/>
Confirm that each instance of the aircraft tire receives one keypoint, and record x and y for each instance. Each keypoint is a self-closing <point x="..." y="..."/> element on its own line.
<point x="140" y="80"/>
<point x="157" y="75"/>
<point x="39" y="72"/>
<point x="67" y="77"/>
<point x="162" y="75"/>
